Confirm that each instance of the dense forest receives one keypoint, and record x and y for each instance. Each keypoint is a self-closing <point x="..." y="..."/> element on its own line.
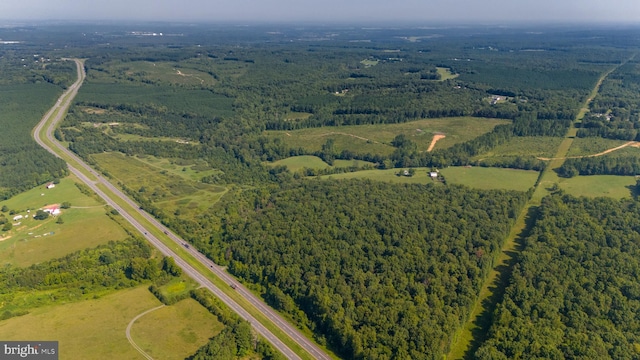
<point x="378" y="270"/>
<point x="575" y="292"/>
<point x="26" y="94"/>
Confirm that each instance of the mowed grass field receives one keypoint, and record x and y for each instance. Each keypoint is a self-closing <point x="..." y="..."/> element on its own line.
<point x="95" y="329"/>
<point x="474" y="177"/>
<point x="296" y="163"/>
<point x="167" y="190"/>
<point x="376" y="139"/>
<point x="617" y="187"/>
<point x="491" y="178"/>
<point x="176" y="331"/>
<point x="34" y="241"/>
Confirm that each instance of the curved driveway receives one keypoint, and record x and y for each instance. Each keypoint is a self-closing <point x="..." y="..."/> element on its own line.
<point x="62" y="105"/>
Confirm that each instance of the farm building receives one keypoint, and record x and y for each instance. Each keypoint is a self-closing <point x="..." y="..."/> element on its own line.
<point x="433" y="174"/>
<point x="17" y="217"/>
<point x="52" y="209"/>
<point x="51" y="185"/>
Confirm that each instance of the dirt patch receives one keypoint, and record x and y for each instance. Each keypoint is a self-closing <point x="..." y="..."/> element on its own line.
<point x="5" y="238"/>
<point x="436" y="137"/>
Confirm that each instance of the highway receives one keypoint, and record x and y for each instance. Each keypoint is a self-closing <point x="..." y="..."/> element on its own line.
<point x="59" y="109"/>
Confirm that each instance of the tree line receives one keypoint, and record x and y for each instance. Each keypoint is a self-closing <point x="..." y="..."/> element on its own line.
<point x="574" y="292"/>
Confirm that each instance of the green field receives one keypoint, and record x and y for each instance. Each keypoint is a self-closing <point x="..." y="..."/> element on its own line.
<point x="446" y="74"/>
<point x="34" y="241"/>
<point x="175" y="331"/>
<point x="296" y="163"/>
<point x="188" y="170"/>
<point x="617" y="187"/>
<point x="593" y="145"/>
<point x="163" y="72"/>
<point x="95" y="329"/>
<point x="540" y="146"/>
<point x="475" y="177"/>
<point x="133" y="137"/>
<point x="387" y="175"/>
<point x="376" y="139"/>
<point x="160" y="184"/>
<point x="491" y="178"/>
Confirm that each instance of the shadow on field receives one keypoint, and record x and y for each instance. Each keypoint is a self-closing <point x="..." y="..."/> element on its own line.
<point x="484" y="320"/>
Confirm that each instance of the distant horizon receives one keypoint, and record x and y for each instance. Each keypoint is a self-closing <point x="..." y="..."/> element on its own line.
<point x="373" y="24"/>
<point x="328" y="11"/>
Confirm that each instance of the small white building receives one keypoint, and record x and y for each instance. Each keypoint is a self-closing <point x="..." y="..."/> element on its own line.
<point x="17" y="217"/>
<point x="52" y="210"/>
<point x="433" y="174"/>
<point x="51" y="185"/>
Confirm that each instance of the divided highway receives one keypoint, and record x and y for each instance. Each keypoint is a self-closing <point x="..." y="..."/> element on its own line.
<point x="51" y="119"/>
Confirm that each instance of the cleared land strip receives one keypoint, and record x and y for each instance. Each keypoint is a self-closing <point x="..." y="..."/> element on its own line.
<point x="475" y="331"/>
<point x="630" y="143"/>
<point x="248" y="306"/>
<point x="128" y="331"/>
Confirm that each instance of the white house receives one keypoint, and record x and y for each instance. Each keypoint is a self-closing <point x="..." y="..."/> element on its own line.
<point x="51" y="185"/>
<point x="433" y="174"/>
<point x="17" y="217"/>
<point x="52" y="210"/>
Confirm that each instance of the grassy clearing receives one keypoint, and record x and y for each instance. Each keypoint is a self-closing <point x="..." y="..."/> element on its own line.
<point x="193" y="171"/>
<point x="525" y="146"/>
<point x="175" y="331"/>
<point x="446" y="74"/>
<point x="297" y="115"/>
<point x="92" y="329"/>
<point x="387" y="175"/>
<point x="296" y="163"/>
<point x="376" y="139"/>
<point x="178" y="286"/>
<point x="369" y="62"/>
<point x="491" y="178"/>
<point x="617" y="187"/>
<point x="593" y="145"/>
<point x="35" y="241"/>
<point x="475" y="177"/>
<point x="134" y="137"/>
<point x="168" y="191"/>
<point x="163" y="72"/>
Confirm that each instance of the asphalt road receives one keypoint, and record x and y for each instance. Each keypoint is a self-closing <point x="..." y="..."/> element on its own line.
<point x="63" y="104"/>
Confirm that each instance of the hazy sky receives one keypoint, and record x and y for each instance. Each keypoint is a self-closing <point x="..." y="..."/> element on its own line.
<point x="483" y="11"/>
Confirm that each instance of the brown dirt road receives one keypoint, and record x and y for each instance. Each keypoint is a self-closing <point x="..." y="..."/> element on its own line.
<point x="630" y="143"/>
<point x="436" y="137"/>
